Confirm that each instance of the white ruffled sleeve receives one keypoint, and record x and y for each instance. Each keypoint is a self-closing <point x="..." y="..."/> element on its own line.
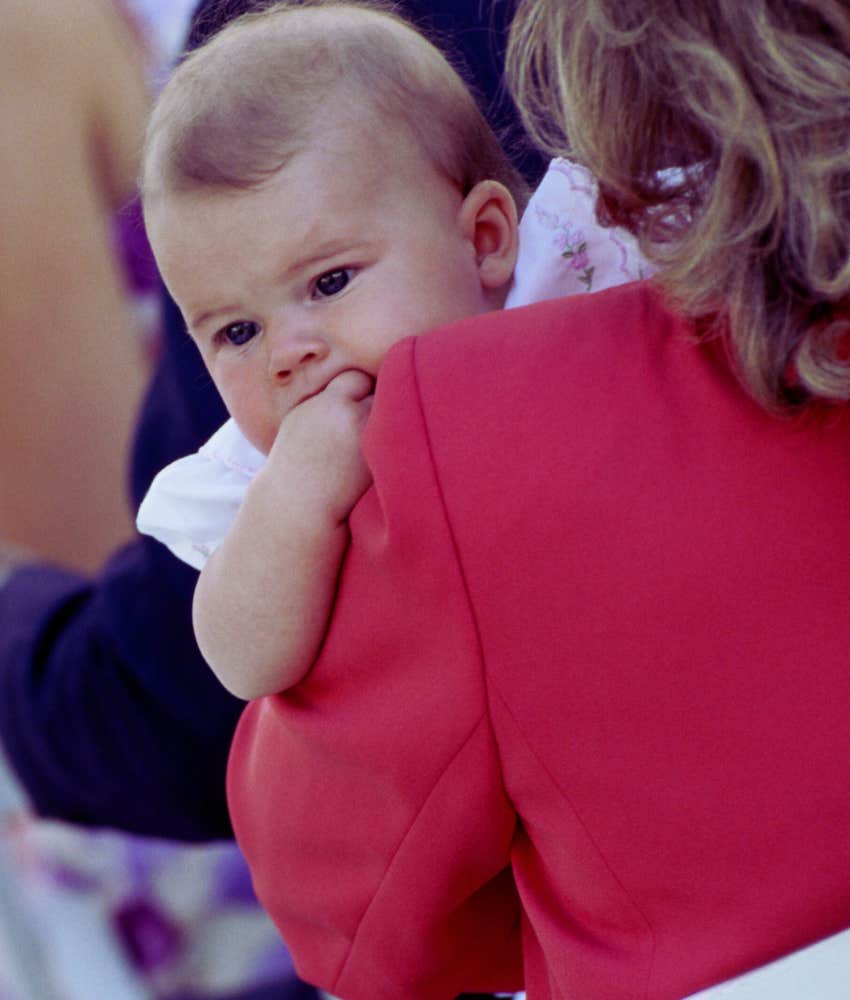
<point x="192" y="502"/>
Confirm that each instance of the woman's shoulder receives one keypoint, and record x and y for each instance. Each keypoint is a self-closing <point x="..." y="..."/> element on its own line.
<point x="584" y="361"/>
<point x="601" y="327"/>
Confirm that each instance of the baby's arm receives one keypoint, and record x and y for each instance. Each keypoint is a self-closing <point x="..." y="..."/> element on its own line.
<point x="264" y="597"/>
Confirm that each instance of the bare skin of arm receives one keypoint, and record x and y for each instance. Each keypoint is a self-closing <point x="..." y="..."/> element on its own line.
<point x="73" y="94"/>
<point x="263" y="599"/>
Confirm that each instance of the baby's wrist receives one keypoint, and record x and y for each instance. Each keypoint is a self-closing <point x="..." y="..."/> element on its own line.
<point x="295" y="508"/>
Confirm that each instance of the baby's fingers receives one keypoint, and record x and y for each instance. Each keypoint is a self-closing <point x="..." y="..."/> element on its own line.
<point x="352" y="383"/>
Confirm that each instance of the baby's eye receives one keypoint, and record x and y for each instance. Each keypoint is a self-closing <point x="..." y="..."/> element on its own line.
<point x="238" y="334"/>
<point x="333" y="282"/>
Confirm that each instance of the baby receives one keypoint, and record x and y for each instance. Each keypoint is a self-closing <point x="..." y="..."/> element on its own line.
<point x="319" y="183"/>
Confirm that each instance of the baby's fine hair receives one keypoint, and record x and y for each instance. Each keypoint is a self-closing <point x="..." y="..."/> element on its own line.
<point x="752" y="97"/>
<point x="237" y="109"/>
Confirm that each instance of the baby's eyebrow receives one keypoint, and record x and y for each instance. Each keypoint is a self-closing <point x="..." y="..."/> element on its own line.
<point x="318" y="253"/>
<point x="207" y="315"/>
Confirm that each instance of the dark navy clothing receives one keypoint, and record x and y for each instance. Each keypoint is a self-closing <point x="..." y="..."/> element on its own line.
<point x="474" y="35"/>
<point x="108" y="714"/>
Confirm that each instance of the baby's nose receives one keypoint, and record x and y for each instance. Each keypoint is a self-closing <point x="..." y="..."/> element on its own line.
<point x="289" y="352"/>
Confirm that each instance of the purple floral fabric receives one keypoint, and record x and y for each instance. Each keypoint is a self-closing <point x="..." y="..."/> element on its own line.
<point x="98" y="913"/>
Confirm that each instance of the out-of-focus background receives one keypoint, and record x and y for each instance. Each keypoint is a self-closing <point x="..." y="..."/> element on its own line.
<point x="93" y="915"/>
<point x="105" y="916"/>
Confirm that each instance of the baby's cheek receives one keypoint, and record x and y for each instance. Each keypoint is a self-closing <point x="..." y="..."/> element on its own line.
<point x="256" y="416"/>
<point x="404" y="327"/>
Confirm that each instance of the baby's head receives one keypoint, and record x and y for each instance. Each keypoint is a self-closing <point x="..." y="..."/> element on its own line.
<point x="318" y="183"/>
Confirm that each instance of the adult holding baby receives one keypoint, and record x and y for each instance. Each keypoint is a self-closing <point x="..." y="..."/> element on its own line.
<point x="579" y="721"/>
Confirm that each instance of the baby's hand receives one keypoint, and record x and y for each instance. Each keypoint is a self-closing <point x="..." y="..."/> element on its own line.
<point x="317" y="449"/>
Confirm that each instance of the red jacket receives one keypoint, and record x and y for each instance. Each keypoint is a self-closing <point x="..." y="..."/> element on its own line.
<point x="584" y="703"/>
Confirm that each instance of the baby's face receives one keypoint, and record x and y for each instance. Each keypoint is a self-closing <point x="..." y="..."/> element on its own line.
<point x="352" y="246"/>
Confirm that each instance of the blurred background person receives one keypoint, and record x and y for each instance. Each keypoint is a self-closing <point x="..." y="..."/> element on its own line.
<point x="75" y="99"/>
<point x="92" y="913"/>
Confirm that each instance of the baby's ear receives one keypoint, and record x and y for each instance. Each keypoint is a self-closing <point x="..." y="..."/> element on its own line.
<point x="488" y="219"/>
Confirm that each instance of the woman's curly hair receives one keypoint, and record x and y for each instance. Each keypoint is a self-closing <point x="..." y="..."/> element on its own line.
<point x="720" y="135"/>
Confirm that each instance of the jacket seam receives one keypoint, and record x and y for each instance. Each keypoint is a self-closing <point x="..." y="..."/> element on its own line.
<point x="485" y="715"/>
<point x="588" y="833"/>
<point x="400" y="845"/>
<point x="470" y="605"/>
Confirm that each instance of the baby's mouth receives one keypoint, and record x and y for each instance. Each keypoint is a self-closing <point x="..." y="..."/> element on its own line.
<point x="315" y="392"/>
<point x="321" y="388"/>
<point x="310" y="395"/>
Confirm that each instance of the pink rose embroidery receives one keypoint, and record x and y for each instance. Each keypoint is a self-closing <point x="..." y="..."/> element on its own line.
<point x="580" y="261"/>
<point x="571" y="244"/>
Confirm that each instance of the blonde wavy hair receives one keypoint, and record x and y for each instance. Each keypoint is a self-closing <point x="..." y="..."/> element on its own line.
<point x="748" y="103"/>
